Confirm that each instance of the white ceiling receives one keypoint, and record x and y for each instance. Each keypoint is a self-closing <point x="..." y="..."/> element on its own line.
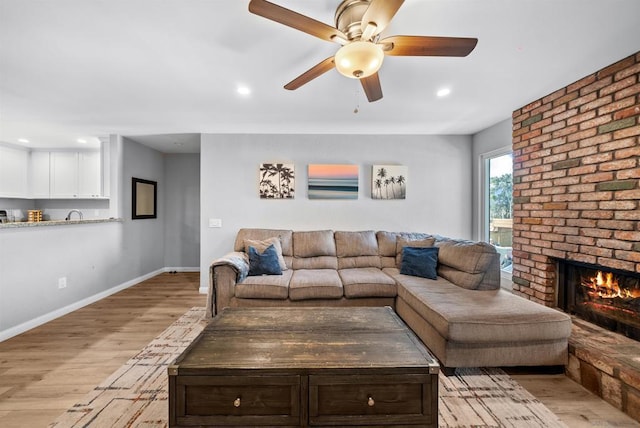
<point x="90" y="68"/>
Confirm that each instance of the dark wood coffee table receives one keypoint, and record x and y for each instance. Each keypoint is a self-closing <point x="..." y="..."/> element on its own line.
<point x="304" y="367"/>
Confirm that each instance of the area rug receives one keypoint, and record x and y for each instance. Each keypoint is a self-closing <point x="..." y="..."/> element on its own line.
<point x="136" y="394"/>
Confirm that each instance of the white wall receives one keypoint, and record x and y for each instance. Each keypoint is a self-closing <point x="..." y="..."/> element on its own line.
<point x="182" y="210"/>
<point x="489" y="140"/>
<point x="438" y="186"/>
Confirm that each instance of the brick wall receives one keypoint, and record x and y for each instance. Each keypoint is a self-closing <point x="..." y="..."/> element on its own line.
<point x="576" y="173"/>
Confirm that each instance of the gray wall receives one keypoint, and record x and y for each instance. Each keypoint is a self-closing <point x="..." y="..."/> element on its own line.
<point x="438" y="186"/>
<point x="144" y="247"/>
<point x="489" y="140"/>
<point x="94" y="258"/>
<point x="182" y="210"/>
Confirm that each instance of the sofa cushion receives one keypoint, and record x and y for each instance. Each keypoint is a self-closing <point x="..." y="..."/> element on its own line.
<point x="265" y="286"/>
<point x="411" y="241"/>
<point x="464" y="263"/>
<point x="474" y="316"/>
<point x="261" y="246"/>
<point x="387" y="243"/>
<point x="265" y="263"/>
<point x="357" y="249"/>
<point x="467" y="256"/>
<point x="353" y="244"/>
<point x="315" y="243"/>
<point x="420" y="262"/>
<point x="315" y="284"/>
<point x="320" y="262"/>
<point x="367" y="282"/>
<point x="314" y="250"/>
<point x="359" y="262"/>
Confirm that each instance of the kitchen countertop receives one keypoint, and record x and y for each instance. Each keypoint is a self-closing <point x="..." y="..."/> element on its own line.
<point x="46" y="223"/>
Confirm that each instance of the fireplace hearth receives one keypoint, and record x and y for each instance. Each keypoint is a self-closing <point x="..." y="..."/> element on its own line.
<point x="607" y="297"/>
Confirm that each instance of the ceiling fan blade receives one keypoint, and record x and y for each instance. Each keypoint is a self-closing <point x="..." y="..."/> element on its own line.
<point x="295" y="20"/>
<point x="312" y="73"/>
<point x="372" y="88"/>
<point x="379" y="12"/>
<point x="428" y="46"/>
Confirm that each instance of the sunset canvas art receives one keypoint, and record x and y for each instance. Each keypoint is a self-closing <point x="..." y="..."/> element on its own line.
<point x="333" y="181"/>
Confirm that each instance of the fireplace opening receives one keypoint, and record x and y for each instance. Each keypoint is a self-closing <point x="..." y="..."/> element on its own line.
<point x="604" y="296"/>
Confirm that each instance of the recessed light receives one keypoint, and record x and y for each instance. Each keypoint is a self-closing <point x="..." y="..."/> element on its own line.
<point x="244" y="90"/>
<point x="443" y="92"/>
<point x="81" y="141"/>
<point x="23" y="140"/>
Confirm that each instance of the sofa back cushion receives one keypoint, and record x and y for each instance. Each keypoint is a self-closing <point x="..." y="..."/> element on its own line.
<point x="357" y="249"/>
<point x="285" y="237"/>
<point x="314" y="250"/>
<point x="388" y="246"/>
<point x="467" y="263"/>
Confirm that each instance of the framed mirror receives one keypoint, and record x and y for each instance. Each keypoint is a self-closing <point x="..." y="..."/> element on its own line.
<point x="144" y="201"/>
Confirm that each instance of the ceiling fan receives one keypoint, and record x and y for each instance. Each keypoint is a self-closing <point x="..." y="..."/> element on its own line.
<point x="358" y="24"/>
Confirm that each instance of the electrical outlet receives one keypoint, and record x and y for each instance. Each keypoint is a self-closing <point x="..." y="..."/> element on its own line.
<point x="215" y="222"/>
<point x="62" y="282"/>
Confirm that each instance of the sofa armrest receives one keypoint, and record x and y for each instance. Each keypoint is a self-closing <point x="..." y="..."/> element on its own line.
<point x="224" y="274"/>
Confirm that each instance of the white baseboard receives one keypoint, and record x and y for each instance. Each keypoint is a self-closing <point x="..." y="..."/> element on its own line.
<point x="43" y="319"/>
<point x="181" y="269"/>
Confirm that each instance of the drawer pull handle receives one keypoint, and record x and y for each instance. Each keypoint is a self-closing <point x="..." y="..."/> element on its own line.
<point x="371" y="402"/>
<point x="236" y="402"/>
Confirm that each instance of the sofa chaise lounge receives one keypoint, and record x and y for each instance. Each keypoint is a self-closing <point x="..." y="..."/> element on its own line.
<point x="463" y="316"/>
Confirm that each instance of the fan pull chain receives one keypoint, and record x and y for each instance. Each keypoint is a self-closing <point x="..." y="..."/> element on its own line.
<point x="357" y="108"/>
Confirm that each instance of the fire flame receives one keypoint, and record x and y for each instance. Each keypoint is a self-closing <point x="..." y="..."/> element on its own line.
<point x="605" y="286"/>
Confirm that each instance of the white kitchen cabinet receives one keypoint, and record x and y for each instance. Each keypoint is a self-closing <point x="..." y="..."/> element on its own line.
<point x="89" y="175"/>
<point x="39" y="175"/>
<point x="64" y="175"/>
<point x="75" y="175"/>
<point x="14" y="166"/>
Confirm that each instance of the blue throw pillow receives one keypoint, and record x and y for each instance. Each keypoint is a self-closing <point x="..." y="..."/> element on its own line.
<point x="420" y="262"/>
<point x="264" y="264"/>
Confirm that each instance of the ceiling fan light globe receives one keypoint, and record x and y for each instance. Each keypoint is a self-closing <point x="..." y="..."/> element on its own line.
<point x="359" y="59"/>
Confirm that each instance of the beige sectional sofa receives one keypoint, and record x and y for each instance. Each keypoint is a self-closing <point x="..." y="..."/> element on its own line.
<point x="463" y="316"/>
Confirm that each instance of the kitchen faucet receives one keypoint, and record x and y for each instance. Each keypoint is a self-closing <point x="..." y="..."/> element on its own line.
<point x="74" y="211"/>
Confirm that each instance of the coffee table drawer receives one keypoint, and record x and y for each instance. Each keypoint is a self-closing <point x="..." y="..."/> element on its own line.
<point x="237" y="400"/>
<point x="376" y="400"/>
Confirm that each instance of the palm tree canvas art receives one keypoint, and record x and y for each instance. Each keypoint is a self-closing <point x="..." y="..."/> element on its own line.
<point x="389" y="182"/>
<point x="277" y="181"/>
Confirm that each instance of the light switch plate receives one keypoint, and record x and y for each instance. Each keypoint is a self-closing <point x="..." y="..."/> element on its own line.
<point x="215" y="222"/>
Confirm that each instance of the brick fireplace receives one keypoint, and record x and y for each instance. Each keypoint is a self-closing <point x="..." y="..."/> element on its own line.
<point x="576" y="197"/>
<point x="576" y="175"/>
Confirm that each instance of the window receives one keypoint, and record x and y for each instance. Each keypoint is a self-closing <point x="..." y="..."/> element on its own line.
<point x="498" y="206"/>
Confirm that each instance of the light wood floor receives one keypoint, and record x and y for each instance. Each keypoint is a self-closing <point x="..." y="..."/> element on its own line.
<point x="48" y="369"/>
